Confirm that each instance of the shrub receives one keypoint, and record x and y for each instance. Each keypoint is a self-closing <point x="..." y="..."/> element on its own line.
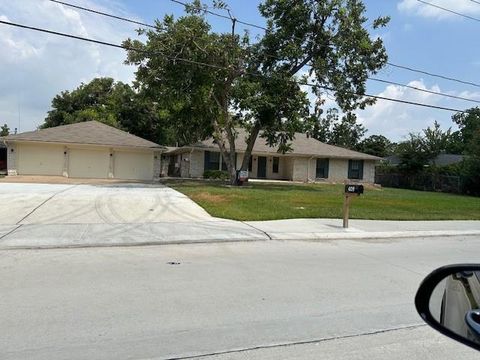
<point x="216" y="174"/>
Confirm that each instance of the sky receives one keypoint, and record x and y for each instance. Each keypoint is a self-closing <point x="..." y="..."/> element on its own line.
<point x="34" y="67"/>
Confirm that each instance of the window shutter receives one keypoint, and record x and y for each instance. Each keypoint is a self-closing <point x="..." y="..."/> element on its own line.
<point x="206" y="160"/>
<point x="360" y="171"/>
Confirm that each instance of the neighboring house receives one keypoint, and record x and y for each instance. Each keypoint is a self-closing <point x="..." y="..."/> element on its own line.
<point x="440" y="160"/>
<point x="310" y="160"/>
<point x="83" y="150"/>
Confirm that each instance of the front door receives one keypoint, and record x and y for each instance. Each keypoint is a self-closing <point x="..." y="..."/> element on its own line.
<point x="262" y="167"/>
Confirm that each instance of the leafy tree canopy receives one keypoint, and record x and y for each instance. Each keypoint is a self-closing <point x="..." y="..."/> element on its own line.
<point x="377" y="145"/>
<point x="4" y="130"/>
<point x="115" y="104"/>
<point x="211" y="83"/>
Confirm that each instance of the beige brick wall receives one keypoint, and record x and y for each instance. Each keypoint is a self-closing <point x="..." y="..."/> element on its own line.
<point x="157" y="165"/>
<point x="369" y="171"/>
<point x="11" y="159"/>
<point x="338" y="170"/>
<point x="304" y="169"/>
<point x="197" y="159"/>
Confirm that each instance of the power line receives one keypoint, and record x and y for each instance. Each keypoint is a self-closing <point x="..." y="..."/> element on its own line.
<point x="222" y="16"/>
<point x="423" y="90"/>
<point x="211" y="65"/>
<point x="475" y="1"/>
<point x="104" y="14"/>
<point x="259" y="27"/>
<point x="449" y="10"/>
<point x="433" y="74"/>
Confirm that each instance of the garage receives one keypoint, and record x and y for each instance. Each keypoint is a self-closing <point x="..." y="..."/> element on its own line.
<point x="130" y="165"/>
<point x="88" y="163"/>
<point x="83" y="150"/>
<point x="40" y="160"/>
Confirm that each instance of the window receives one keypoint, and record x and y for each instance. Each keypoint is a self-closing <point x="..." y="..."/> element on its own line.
<point x="276" y="162"/>
<point x="212" y="160"/>
<point x="322" y="168"/>
<point x="355" y="169"/>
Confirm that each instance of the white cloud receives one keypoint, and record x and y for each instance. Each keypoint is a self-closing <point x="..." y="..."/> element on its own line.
<point x="420" y="9"/>
<point x="34" y="66"/>
<point x="395" y="120"/>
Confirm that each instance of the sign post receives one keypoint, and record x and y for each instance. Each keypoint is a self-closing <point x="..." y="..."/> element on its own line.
<point x="350" y="191"/>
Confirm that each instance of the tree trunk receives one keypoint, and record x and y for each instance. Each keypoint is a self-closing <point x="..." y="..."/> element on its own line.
<point x="250" y="143"/>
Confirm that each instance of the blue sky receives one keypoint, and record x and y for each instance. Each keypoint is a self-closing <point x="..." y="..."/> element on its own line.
<point x="34" y="67"/>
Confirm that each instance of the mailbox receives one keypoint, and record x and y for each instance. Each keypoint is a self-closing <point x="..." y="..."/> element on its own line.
<point x="354" y="189"/>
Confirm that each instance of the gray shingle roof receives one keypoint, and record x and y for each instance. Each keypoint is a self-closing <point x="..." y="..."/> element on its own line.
<point x="89" y="132"/>
<point x="302" y="146"/>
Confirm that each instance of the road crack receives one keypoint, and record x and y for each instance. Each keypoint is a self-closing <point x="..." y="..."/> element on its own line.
<point x="294" y="343"/>
<point x="43" y="203"/>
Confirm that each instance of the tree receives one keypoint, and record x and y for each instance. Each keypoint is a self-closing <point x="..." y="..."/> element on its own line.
<point x="436" y="140"/>
<point x="469" y="128"/>
<point x="256" y="86"/>
<point x="333" y="130"/>
<point x="4" y="130"/>
<point x="112" y="103"/>
<point x="377" y="145"/>
<point x="414" y="154"/>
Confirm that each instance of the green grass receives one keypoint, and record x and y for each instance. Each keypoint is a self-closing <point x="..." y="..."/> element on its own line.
<point x="267" y="201"/>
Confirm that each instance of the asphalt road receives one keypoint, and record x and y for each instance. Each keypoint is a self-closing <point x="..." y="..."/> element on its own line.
<point x="257" y="300"/>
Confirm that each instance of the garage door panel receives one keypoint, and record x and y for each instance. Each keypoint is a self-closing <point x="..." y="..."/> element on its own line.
<point x="88" y="163"/>
<point x="133" y="165"/>
<point x="40" y="159"/>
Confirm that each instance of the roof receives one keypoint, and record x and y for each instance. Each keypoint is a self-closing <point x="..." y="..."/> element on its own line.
<point x="302" y="145"/>
<point x="447" y="159"/>
<point x="88" y="132"/>
<point x="440" y="160"/>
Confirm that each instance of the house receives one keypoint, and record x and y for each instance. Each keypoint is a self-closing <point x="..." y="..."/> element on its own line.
<point x="310" y="160"/>
<point x="83" y="150"/>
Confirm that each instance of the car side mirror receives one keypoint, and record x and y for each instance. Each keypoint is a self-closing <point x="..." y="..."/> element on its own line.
<point x="449" y="301"/>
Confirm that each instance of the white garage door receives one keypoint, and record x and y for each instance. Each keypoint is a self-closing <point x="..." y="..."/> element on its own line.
<point x="40" y="159"/>
<point x="133" y="165"/>
<point x="86" y="163"/>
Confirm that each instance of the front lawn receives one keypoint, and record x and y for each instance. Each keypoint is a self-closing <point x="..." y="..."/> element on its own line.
<point x="269" y="201"/>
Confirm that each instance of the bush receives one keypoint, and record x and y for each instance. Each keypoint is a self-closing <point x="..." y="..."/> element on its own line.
<point x="216" y="174"/>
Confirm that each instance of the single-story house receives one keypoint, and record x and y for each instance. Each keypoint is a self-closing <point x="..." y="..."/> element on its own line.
<point x="83" y="150"/>
<point x="310" y="160"/>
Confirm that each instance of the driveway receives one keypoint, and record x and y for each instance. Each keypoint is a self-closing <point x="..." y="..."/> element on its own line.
<point x="107" y="214"/>
<point x="95" y="204"/>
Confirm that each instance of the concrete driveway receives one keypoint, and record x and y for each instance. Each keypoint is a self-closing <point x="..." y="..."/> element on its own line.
<point x="107" y="214"/>
<point x="95" y="204"/>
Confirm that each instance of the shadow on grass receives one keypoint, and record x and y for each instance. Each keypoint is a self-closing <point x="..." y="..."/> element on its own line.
<point x="274" y="187"/>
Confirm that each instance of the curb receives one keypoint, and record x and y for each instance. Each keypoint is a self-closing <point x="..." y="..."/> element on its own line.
<point x="371" y="235"/>
<point x="312" y="237"/>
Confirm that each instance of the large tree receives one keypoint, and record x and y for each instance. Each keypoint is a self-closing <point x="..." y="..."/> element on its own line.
<point x="115" y="104"/>
<point x="213" y="83"/>
<point x="377" y="145"/>
<point x="335" y="130"/>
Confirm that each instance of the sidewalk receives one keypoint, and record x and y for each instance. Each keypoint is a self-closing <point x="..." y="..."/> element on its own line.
<point x="34" y="236"/>
<point x="325" y="229"/>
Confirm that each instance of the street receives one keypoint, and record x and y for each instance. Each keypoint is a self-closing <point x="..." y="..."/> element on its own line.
<point x="268" y="300"/>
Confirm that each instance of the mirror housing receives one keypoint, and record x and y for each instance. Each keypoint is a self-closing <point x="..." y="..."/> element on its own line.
<point x="454" y="291"/>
